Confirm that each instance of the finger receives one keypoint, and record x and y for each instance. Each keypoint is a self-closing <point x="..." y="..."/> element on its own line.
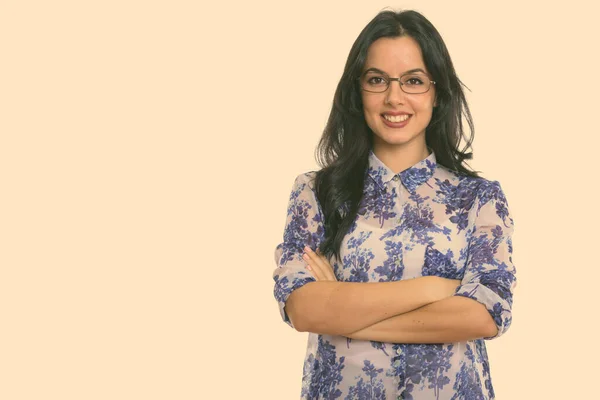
<point x="320" y="262"/>
<point x="313" y="267"/>
<point x="315" y="263"/>
<point x="325" y="266"/>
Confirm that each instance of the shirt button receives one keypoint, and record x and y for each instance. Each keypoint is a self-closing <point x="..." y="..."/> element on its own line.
<point x="399" y="350"/>
<point x="395" y="178"/>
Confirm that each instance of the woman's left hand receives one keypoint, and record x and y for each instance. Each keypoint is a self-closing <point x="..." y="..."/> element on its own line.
<point x="318" y="265"/>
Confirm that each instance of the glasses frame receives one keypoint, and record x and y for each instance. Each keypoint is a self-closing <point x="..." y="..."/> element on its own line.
<point x="389" y="82"/>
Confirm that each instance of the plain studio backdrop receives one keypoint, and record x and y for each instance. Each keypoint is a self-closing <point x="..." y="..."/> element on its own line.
<point x="147" y="155"/>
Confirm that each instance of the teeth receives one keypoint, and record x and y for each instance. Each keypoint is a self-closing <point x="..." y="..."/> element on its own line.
<point x="396" y="118"/>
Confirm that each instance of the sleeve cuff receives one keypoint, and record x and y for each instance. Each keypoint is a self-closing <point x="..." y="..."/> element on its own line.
<point x="499" y="308"/>
<point x="286" y="282"/>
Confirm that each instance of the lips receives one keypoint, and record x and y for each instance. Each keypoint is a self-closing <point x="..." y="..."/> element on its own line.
<point x="396" y="121"/>
<point x="396" y="117"/>
<point x="396" y="113"/>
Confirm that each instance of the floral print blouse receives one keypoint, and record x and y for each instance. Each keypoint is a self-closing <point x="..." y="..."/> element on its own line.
<point x="425" y="220"/>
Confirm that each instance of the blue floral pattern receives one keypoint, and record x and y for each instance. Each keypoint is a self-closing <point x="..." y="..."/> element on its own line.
<point x="424" y="221"/>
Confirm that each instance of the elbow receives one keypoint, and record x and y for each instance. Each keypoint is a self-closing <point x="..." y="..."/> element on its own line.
<point x="302" y="322"/>
<point x="484" y="325"/>
<point x="295" y="317"/>
<point x="298" y="314"/>
<point x="496" y="323"/>
<point x="305" y="321"/>
<point x="298" y="322"/>
<point x="489" y="329"/>
<point x="491" y="315"/>
<point x="304" y="314"/>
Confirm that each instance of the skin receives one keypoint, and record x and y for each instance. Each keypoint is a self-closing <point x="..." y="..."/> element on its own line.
<point x="398" y="148"/>
<point x="438" y="317"/>
<point x="451" y="319"/>
<point x="341" y="308"/>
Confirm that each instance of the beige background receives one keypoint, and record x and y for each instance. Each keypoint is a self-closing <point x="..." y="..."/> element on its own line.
<point x="148" y="150"/>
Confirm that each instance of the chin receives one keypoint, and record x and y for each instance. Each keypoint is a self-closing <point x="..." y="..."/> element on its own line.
<point x="397" y="139"/>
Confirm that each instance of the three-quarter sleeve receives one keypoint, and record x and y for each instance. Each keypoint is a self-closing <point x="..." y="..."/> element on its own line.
<point x="490" y="276"/>
<point x="303" y="227"/>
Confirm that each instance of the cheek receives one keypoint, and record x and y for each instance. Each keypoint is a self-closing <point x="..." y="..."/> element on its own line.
<point x="424" y="106"/>
<point x="371" y="118"/>
<point x="370" y="108"/>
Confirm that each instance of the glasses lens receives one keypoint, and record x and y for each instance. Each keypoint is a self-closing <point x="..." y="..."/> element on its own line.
<point x="415" y="83"/>
<point x="374" y="82"/>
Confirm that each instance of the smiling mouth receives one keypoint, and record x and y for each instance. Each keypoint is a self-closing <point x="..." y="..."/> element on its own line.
<point x="396" y="118"/>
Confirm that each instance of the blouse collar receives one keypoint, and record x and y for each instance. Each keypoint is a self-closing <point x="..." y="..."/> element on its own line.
<point x="411" y="178"/>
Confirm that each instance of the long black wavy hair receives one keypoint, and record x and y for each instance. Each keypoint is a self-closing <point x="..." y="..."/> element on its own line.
<point x="343" y="149"/>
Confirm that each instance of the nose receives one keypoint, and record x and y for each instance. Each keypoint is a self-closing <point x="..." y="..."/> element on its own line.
<point x="394" y="94"/>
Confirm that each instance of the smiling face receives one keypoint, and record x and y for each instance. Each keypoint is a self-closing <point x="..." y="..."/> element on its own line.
<point x="395" y="57"/>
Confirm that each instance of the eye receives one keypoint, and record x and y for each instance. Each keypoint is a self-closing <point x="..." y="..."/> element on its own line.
<point x="413" y="81"/>
<point x="376" y="80"/>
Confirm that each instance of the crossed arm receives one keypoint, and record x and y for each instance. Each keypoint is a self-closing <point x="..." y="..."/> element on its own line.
<point x="421" y="310"/>
<point x="452" y="319"/>
<point x="429" y="309"/>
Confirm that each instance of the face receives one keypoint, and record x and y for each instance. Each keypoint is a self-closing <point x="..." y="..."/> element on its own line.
<point x="396" y="56"/>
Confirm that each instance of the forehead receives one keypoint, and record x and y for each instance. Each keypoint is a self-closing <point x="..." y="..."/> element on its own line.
<point x="394" y="55"/>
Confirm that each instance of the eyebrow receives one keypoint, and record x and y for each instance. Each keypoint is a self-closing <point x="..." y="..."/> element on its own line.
<point x="407" y="72"/>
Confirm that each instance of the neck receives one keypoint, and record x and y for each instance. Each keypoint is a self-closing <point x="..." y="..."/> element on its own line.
<point x="401" y="157"/>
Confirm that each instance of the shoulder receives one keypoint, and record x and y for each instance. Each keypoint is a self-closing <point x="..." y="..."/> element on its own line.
<point x="492" y="207"/>
<point x="485" y="191"/>
<point x="305" y="180"/>
<point x="481" y="187"/>
<point x="490" y="190"/>
<point x="306" y="177"/>
<point x="303" y="188"/>
<point x="462" y="182"/>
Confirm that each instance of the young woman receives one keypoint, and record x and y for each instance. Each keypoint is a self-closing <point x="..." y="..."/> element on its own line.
<point x="396" y="257"/>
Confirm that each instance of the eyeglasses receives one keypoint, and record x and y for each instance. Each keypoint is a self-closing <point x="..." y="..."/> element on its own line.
<point x="413" y="83"/>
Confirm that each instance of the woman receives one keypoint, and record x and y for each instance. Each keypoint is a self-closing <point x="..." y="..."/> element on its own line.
<point x="396" y="257"/>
